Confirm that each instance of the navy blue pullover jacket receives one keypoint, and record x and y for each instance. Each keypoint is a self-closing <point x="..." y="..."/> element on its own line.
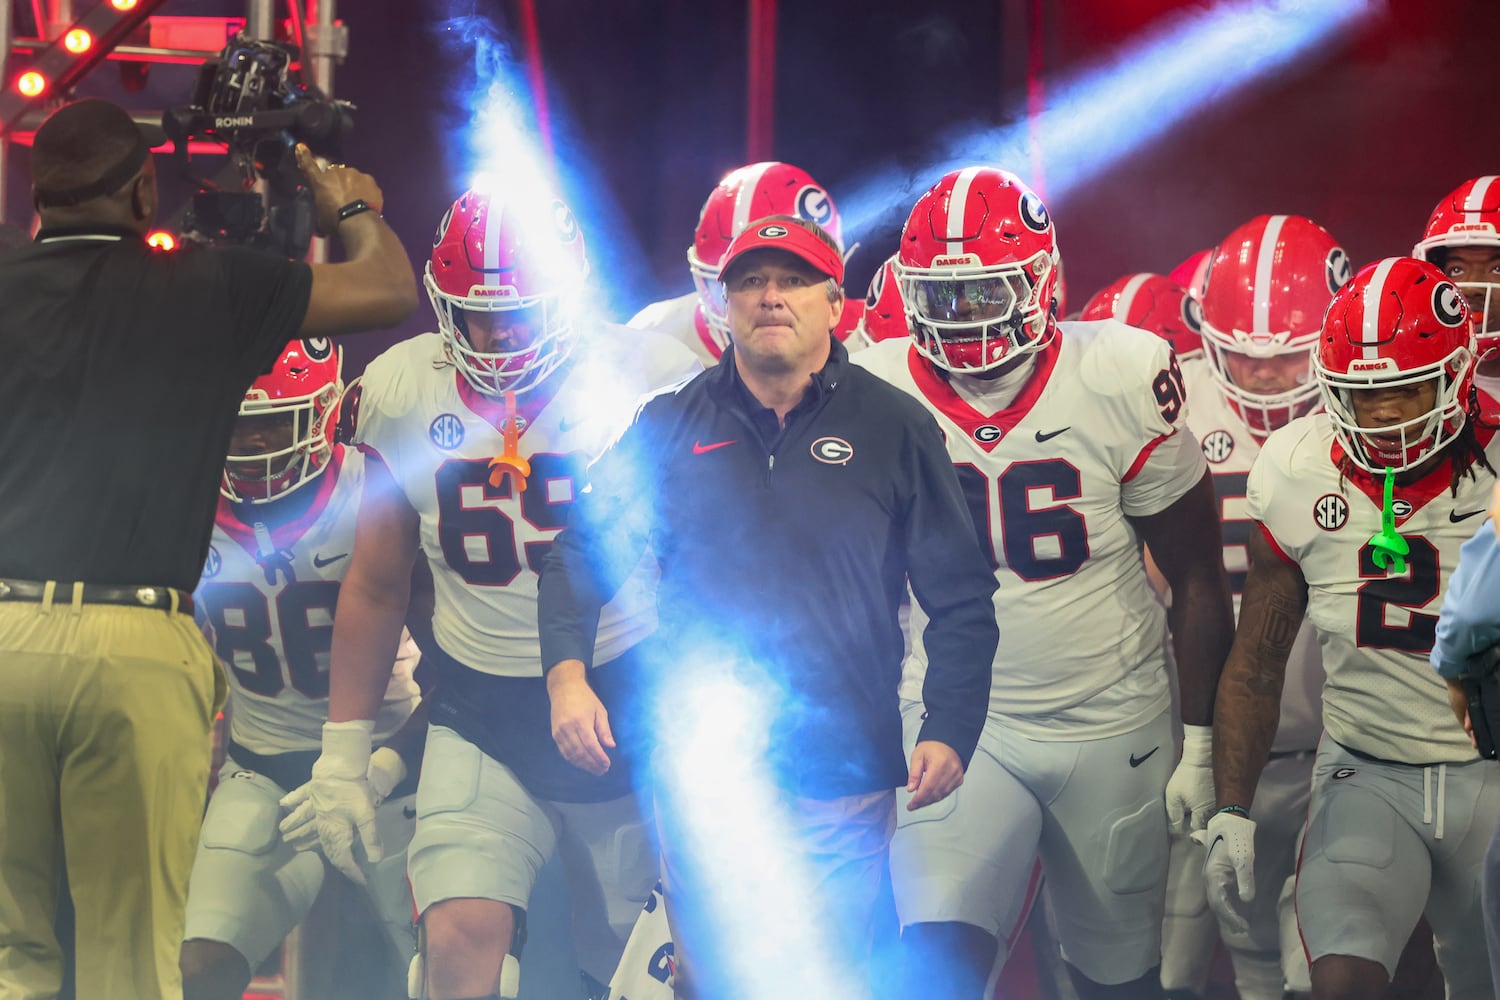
<point x="784" y="558"/>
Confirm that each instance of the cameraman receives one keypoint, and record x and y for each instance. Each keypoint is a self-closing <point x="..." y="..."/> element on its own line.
<point x="1469" y="624"/>
<point x="121" y="373"/>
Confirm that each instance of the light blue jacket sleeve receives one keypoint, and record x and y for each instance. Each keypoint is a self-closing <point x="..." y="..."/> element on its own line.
<point x="1470" y="619"/>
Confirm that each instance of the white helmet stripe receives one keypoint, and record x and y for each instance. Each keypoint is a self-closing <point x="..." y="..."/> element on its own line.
<point x="958" y="205"/>
<point x="492" y="220"/>
<point x="1261" y="296"/>
<point x="1369" y="333"/>
<point x="1475" y="201"/>
<point x="1127" y="297"/>
<point x="743" y="198"/>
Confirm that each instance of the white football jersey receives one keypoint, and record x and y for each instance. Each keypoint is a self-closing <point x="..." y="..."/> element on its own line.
<point x="1093" y="436"/>
<point x="679" y="319"/>
<point x="1376" y="625"/>
<point x="270" y="591"/>
<point x="485" y="541"/>
<point x="1230" y="450"/>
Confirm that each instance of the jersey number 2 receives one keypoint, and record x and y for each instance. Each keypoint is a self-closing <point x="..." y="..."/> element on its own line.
<point x="1414" y="591"/>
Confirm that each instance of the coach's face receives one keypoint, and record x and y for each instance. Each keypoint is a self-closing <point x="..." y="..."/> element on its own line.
<point x="781" y="312"/>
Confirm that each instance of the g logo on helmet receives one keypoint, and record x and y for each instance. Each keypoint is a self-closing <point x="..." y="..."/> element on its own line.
<point x="832" y="451"/>
<point x="877" y="289"/>
<point x="814" y="205"/>
<point x="318" y="348"/>
<point x="564" y="222"/>
<point x="1192" y="313"/>
<point x="1034" y="213"/>
<point x="1449" y="305"/>
<point x="442" y="228"/>
<point x="771" y="232"/>
<point x="1337" y="269"/>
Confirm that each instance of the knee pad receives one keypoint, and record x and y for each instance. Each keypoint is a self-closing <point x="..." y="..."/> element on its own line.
<point x="510" y="966"/>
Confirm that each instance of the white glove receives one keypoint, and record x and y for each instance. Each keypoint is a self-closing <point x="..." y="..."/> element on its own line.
<point x="1229" y="867"/>
<point x="340" y="803"/>
<point x="1190" y="790"/>
<point x="387" y="770"/>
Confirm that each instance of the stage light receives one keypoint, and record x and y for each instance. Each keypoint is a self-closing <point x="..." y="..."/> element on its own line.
<point x="160" y="239"/>
<point x="123" y="4"/>
<point x="31" y="83"/>
<point x="78" y="41"/>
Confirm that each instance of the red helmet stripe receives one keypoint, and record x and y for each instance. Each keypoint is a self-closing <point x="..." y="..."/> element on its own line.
<point x="744" y="198"/>
<point x="1127" y="296"/>
<point x="1265" y="258"/>
<point x="1474" y="203"/>
<point x="1374" y="296"/>
<point x="958" y="208"/>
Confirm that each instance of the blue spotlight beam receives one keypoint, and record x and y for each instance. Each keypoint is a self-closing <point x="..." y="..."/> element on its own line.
<point x="1101" y="115"/>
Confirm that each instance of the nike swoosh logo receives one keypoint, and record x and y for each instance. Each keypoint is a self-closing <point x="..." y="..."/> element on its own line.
<point x="699" y="448"/>
<point x="1138" y="761"/>
<point x="1214" y="844"/>
<point x="1040" y="437"/>
<point x="320" y="562"/>
<point x="1455" y="516"/>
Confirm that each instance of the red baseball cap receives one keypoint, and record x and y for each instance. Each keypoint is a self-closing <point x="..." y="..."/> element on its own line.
<point x="791" y="235"/>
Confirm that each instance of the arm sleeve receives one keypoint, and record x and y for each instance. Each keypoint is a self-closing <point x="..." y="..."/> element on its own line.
<point x="1470" y="619"/>
<point x="608" y="531"/>
<point x="265" y="300"/>
<point x="952" y="580"/>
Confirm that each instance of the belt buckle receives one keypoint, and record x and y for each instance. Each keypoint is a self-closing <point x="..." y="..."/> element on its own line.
<point x="146" y="596"/>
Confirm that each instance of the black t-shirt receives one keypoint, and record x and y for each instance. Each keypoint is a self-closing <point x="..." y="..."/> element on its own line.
<point x="121" y="373"/>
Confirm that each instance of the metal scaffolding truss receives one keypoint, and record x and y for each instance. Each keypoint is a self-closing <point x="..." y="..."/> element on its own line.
<point x="67" y="39"/>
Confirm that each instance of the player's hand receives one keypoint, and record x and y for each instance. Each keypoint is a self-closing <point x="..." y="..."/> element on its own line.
<point x="1229" y="867"/>
<point x="339" y="803"/>
<point x="580" y="725"/>
<point x="1190" y="790"/>
<point x="334" y="186"/>
<point x="935" y="772"/>
<point x="387" y="770"/>
<point x="1458" y="700"/>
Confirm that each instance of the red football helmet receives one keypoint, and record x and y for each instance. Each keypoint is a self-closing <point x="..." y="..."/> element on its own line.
<point x="978" y="268"/>
<point x="491" y="254"/>
<point x="1192" y="271"/>
<point x="1469" y="217"/>
<point x="748" y="193"/>
<point x="1398" y="322"/>
<point x="1153" y="303"/>
<point x="288" y="417"/>
<point x="885" y="315"/>
<point x="1267" y="287"/>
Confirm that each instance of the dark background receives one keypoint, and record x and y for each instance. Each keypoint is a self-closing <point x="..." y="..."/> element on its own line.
<point x="648" y="102"/>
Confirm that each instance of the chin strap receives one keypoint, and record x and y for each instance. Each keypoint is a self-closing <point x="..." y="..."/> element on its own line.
<point x="1390" y="548"/>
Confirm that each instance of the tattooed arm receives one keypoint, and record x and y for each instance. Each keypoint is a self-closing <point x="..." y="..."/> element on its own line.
<point x="1249" y="700"/>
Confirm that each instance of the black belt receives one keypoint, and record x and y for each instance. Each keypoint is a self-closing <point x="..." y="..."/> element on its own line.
<point x="98" y="593"/>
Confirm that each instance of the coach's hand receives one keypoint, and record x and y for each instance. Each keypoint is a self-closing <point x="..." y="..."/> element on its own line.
<point x="1229" y="867"/>
<point x="340" y="804"/>
<point x="935" y="772"/>
<point x="334" y="186"/>
<point x="580" y="724"/>
<point x="1190" y="789"/>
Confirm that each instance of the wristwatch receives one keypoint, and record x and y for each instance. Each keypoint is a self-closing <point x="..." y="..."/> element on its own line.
<point x="355" y="207"/>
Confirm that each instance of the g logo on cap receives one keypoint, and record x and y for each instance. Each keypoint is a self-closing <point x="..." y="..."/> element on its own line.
<point x="771" y="232"/>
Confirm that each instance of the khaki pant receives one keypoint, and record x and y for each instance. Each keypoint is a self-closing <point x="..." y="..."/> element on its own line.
<point x="104" y="720"/>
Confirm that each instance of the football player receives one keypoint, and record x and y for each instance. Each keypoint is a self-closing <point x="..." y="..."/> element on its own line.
<point x="1068" y="439"/>
<point x="884" y="314"/>
<point x="1358" y="513"/>
<point x="1268" y="285"/>
<point x="1152" y="302"/>
<point x="754" y="191"/>
<point x="478" y="437"/>
<point x="1463" y="240"/>
<point x="280" y="548"/>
